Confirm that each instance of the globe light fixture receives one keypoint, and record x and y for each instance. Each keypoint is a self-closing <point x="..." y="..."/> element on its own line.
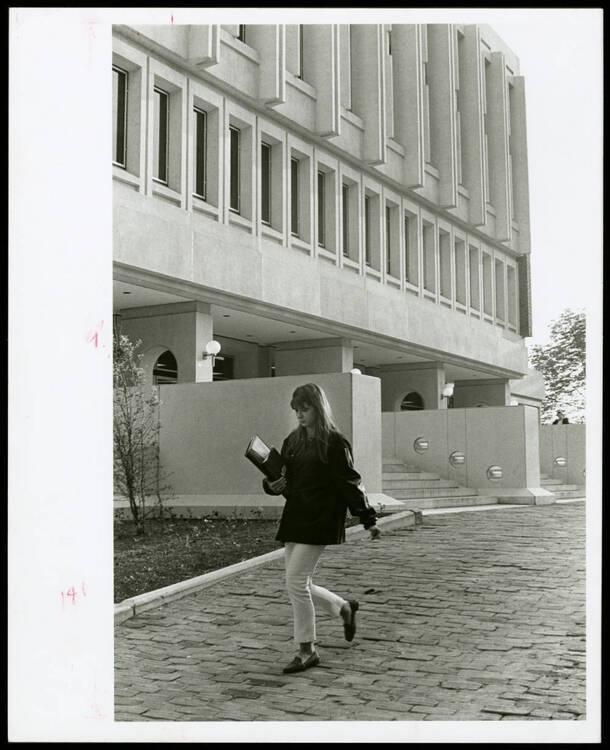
<point x="211" y="350"/>
<point x="561" y="461"/>
<point x="447" y="391"/>
<point x="457" y="458"/>
<point x="495" y="473"/>
<point x="356" y="371"/>
<point x="420" y="445"/>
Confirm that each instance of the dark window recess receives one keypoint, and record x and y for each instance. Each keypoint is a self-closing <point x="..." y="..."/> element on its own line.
<point x="234" y="169"/>
<point x="161" y="135"/>
<point x="294" y="196"/>
<point x="165" y="370"/>
<point x="407" y="264"/>
<point x="119" y="119"/>
<point x="223" y="368"/>
<point x="388" y="240"/>
<point x="241" y="33"/>
<point x="200" y="153"/>
<point x="321" y="210"/>
<point x="345" y="217"/>
<point x="367" y="230"/>
<point x="265" y="183"/>
<point x="412" y="402"/>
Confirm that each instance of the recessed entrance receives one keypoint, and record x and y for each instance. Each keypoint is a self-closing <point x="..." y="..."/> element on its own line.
<point x="412" y="402"/>
<point x="165" y="369"/>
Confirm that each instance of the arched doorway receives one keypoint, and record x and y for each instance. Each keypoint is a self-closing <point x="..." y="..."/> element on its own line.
<point x="165" y="369"/>
<point x="412" y="402"/>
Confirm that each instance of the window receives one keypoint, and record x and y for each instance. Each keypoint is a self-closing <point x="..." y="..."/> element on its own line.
<point x="487" y="287"/>
<point x="444" y="250"/>
<point x="266" y="183"/>
<point x="160" y="135"/>
<point x="427" y="120"/>
<point x="412" y="402"/>
<point x="165" y="369"/>
<point x="511" y="146"/>
<point x="511" y="283"/>
<point x="429" y="258"/>
<point x="368" y="247"/>
<point x="486" y="66"/>
<point x="388" y="240"/>
<point x="460" y="272"/>
<point x="473" y="272"/>
<point x="344" y="46"/>
<point x="200" y="154"/>
<point x="345" y="217"/>
<point x="321" y="209"/>
<point x="241" y="33"/>
<point x="294" y="196"/>
<point x="119" y="117"/>
<point x="411" y="260"/>
<point x="234" y="135"/>
<point x="459" y="105"/>
<point x="294" y="49"/>
<point x="499" y="279"/>
<point x="300" y="73"/>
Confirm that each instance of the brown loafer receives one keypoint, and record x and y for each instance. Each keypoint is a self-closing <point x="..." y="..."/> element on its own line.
<point x="298" y="665"/>
<point x="349" y="628"/>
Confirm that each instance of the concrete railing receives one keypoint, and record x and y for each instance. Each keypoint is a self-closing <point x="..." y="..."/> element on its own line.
<point x="495" y="450"/>
<point x="563" y="452"/>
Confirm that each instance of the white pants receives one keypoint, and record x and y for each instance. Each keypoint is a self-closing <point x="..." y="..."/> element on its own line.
<point x="301" y="561"/>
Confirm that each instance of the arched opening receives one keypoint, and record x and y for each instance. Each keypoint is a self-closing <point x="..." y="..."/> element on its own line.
<point x="412" y="402"/>
<point x="165" y="369"/>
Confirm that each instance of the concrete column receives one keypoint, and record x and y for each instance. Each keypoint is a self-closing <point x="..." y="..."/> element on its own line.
<point x="409" y="108"/>
<point x="313" y="356"/>
<point x="519" y="161"/>
<point x="471" y="113"/>
<point x="424" y="378"/>
<point x="368" y="88"/>
<point x="441" y="64"/>
<point x="203" y="44"/>
<point x="270" y="41"/>
<point x="322" y="53"/>
<point x="488" y="392"/>
<point x="497" y="144"/>
<point x="184" y="328"/>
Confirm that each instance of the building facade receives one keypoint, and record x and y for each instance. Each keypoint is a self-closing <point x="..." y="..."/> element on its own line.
<point x="319" y="198"/>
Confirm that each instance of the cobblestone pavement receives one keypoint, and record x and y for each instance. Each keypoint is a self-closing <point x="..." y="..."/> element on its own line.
<point x="470" y="616"/>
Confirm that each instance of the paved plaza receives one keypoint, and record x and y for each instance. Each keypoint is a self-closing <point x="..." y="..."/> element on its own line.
<point x="469" y="616"/>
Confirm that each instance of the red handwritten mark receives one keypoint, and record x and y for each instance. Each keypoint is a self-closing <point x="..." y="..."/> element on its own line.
<point x="92" y="336"/>
<point x="172" y="18"/>
<point x="72" y="592"/>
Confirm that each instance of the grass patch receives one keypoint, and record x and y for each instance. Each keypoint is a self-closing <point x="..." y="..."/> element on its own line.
<point x="176" y="549"/>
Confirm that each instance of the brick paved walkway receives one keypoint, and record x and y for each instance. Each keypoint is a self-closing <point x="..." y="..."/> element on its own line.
<point x="469" y="616"/>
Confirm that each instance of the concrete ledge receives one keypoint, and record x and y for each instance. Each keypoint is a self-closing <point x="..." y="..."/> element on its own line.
<point x="133" y="606"/>
<point x="520" y="496"/>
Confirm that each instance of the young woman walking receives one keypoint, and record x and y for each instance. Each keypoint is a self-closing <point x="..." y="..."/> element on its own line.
<point x="319" y="484"/>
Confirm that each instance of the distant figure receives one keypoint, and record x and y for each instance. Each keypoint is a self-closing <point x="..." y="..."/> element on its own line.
<point x="561" y="419"/>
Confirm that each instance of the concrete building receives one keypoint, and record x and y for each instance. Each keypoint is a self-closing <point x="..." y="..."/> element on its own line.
<point x="319" y="198"/>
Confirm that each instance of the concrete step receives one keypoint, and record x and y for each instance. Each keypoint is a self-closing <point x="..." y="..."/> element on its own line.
<point x="423" y="503"/>
<point x="443" y="492"/>
<point x="422" y="476"/>
<point x="562" y="494"/>
<point x="409" y="484"/>
<point x="398" y="466"/>
<point x="546" y="482"/>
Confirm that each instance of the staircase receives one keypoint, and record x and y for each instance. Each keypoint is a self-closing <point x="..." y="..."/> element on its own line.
<point x="422" y="490"/>
<point x="560" y="490"/>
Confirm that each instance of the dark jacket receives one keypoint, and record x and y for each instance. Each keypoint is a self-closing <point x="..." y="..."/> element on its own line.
<point x="318" y="494"/>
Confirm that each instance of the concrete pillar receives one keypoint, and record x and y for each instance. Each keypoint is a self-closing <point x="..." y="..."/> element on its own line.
<point x="518" y="138"/>
<point x="368" y="88"/>
<point x="409" y="108"/>
<point x="313" y="356"/>
<point x="488" y="392"/>
<point x="424" y="378"/>
<point x="441" y="64"/>
<point x="184" y="328"/>
<point x="322" y="62"/>
<point x="270" y="41"/>
<point x="497" y="145"/>
<point x="471" y="113"/>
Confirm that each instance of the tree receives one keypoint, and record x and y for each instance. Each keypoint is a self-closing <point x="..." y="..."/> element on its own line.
<point x="136" y="430"/>
<point x="562" y="364"/>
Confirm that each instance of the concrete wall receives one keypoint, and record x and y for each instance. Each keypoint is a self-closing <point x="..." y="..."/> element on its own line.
<point x="471" y="393"/>
<point x="395" y="384"/>
<point x="205" y="428"/>
<point x="567" y="441"/>
<point x="503" y="436"/>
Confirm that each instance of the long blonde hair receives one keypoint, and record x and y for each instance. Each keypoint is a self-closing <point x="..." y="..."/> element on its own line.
<point x="313" y="396"/>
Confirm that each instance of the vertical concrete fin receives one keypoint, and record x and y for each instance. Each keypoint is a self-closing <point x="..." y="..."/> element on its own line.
<point x="369" y="88"/>
<point x="409" y="106"/>
<point x="519" y="161"/>
<point x="322" y="71"/>
<point x="498" y="146"/>
<point x="471" y="88"/>
<point x="268" y="40"/>
<point x="203" y="44"/>
<point x="443" y="109"/>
